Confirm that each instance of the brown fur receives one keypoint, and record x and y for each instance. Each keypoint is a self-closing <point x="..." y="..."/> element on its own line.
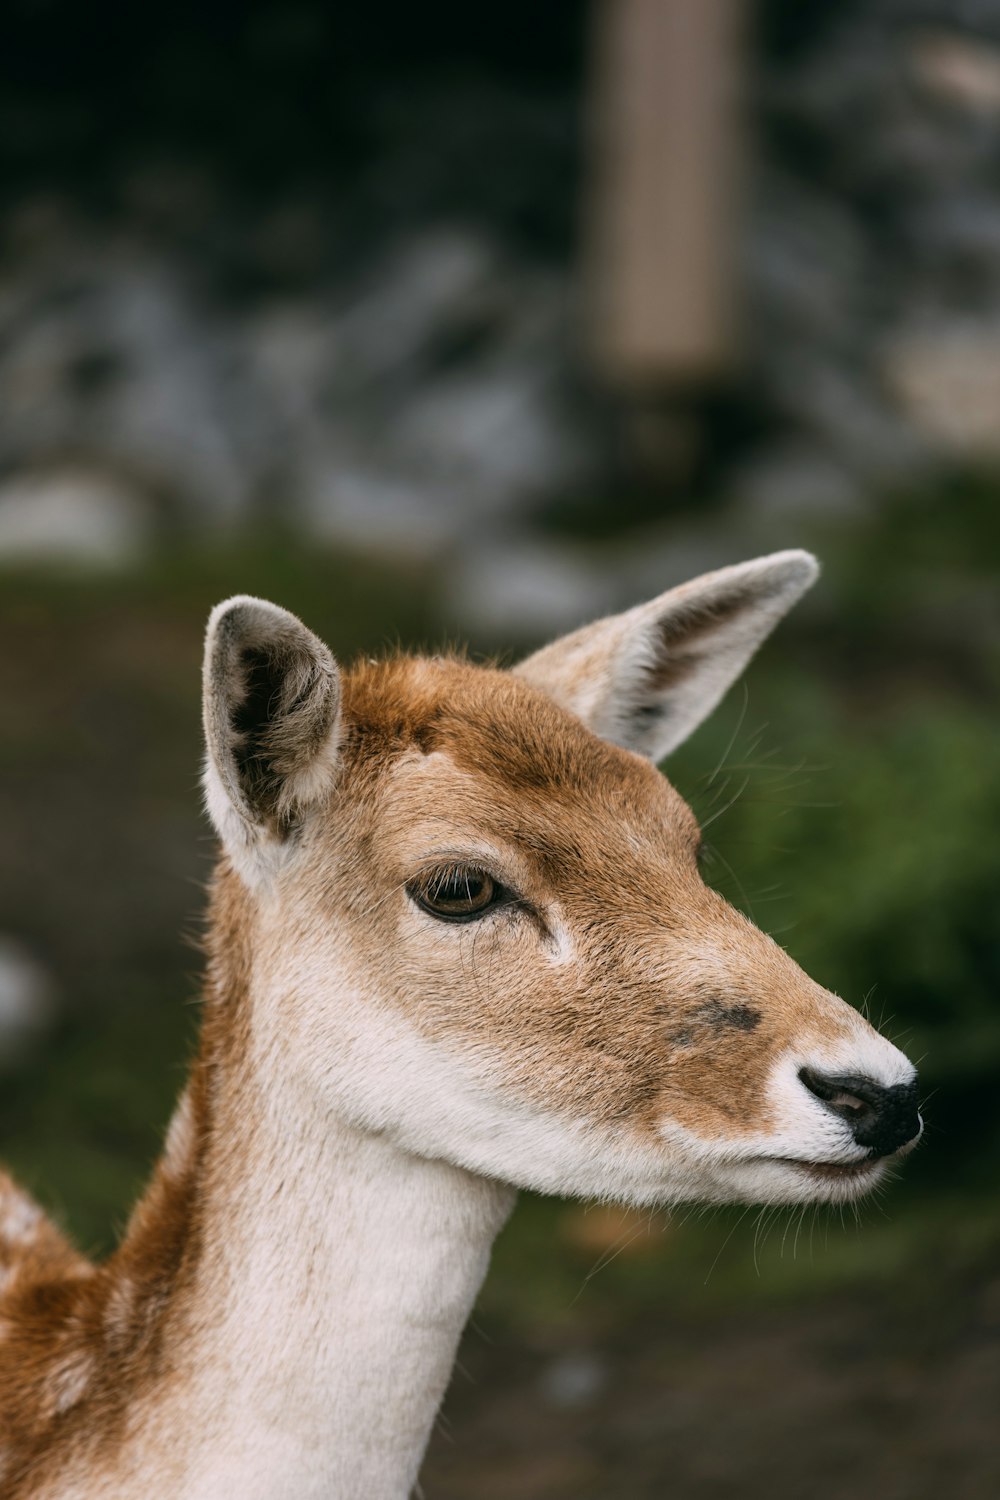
<point x="672" y="1006"/>
<point x="79" y="1343"/>
<point x="599" y="832"/>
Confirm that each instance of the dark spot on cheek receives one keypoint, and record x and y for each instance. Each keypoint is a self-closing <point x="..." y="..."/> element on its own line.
<point x="691" y="1027"/>
<point x="737" y="1017"/>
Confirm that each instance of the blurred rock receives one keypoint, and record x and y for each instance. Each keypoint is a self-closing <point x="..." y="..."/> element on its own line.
<point x="798" y="481"/>
<point x="573" y="1381"/>
<point x="26" y="1000"/>
<point x="958" y="69"/>
<point x="392" y="358"/>
<point x="71" y="516"/>
<point x="947" y="381"/>
<point x="845" y="417"/>
<point x="523" y="588"/>
<point x="424" y="391"/>
<point x="106" y="353"/>
<point x="805" y="264"/>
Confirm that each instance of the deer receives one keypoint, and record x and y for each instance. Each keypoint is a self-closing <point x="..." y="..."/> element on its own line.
<point x="458" y="946"/>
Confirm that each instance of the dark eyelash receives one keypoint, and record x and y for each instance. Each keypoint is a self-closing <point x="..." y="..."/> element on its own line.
<point x="447" y="874"/>
<point x="438" y="892"/>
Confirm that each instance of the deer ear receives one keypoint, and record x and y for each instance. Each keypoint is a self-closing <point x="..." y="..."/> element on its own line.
<point x="271" y="713"/>
<point x="646" y="679"/>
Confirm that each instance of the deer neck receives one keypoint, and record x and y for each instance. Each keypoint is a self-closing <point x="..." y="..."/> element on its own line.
<point x="312" y="1332"/>
<point x="327" y="1314"/>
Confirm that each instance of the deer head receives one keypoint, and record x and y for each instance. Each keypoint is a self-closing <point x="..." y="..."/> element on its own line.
<point x="469" y="915"/>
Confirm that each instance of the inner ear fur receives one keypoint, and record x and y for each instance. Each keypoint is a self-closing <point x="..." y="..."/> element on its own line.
<point x="271" y="709"/>
<point x="647" y="678"/>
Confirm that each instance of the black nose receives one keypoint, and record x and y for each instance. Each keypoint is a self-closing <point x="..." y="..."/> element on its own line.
<point x="882" y="1119"/>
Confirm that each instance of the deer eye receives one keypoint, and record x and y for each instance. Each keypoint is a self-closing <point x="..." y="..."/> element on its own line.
<point x="457" y="893"/>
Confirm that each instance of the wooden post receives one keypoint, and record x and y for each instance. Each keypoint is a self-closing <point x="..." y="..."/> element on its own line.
<point x="663" y="191"/>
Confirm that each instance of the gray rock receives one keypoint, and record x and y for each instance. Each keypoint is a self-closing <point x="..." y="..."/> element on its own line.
<point x="848" y="417"/>
<point x="73" y="516"/>
<point x="797" y="482"/>
<point x="805" y="264"/>
<point x="946" y="380"/>
<point x="958" y="69"/>
<point x="397" y="377"/>
<point x="521" y="588"/>
<point x="26" y="1000"/>
<point x="573" y="1381"/>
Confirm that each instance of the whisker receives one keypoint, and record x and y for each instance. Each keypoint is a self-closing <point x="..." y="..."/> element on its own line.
<point x="607" y="1256"/>
<point x="735" y="734"/>
<point x="725" y="1242"/>
<point x="737" y="881"/>
<point x="707" y="823"/>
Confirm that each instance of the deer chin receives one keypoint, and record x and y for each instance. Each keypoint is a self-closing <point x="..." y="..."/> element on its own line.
<point x="807" y="1181"/>
<point x="778" y="1180"/>
<point x="792" y="1166"/>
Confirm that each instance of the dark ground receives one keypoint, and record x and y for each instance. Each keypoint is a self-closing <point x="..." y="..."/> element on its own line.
<point x="845" y="1395"/>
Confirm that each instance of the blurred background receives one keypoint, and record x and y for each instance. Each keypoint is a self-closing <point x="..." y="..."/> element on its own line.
<point x="435" y="323"/>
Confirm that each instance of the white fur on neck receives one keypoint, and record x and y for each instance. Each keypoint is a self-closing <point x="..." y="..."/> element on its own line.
<point x="339" y="1273"/>
<point x="363" y="1303"/>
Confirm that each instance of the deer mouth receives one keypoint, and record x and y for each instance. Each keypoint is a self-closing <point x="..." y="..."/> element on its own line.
<point x="834" y="1171"/>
